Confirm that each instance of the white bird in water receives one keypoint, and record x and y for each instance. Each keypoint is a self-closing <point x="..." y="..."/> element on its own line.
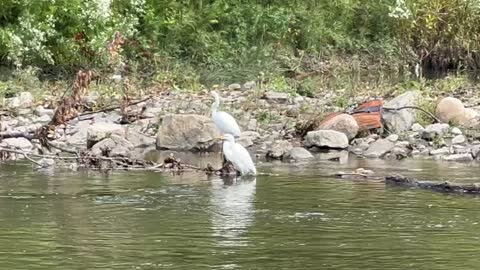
<point x="223" y="120"/>
<point x="238" y="156"/>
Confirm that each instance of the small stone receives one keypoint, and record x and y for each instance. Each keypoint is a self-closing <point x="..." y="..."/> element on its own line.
<point x="456" y="131"/>
<point x="234" y="86"/>
<point x="379" y="148"/>
<point x="417" y="127"/>
<point x="326" y="138"/>
<point x="459" y="139"/>
<point x="298" y="153"/>
<point x="249" y="85"/>
<point x="393" y="138"/>
<point x="252" y="124"/>
<point x="434" y="130"/>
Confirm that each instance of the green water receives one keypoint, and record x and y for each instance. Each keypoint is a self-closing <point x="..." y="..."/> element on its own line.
<point x="296" y="220"/>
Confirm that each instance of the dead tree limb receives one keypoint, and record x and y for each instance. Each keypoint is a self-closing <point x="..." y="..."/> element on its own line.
<point x="445" y="187"/>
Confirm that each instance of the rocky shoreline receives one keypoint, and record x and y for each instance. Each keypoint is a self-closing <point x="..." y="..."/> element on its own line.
<point x="179" y="123"/>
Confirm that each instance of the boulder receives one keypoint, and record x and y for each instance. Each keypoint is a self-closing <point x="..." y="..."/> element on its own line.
<point x="114" y="146"/>
<point x="449" y="109"/>
<point x="344" y="123"/>
<point x="188" y="132"/>
<point x="298" y="153"/>
<point x="278" y="149"/>
<point x="100" y="131"/>
<point x="401" y="120"/>
<point x="326" y="138"/>
<point x="379" y="148"/>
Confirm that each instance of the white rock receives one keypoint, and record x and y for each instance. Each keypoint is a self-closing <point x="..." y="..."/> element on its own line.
<point x="326" y="138"/>
<point x="449" y="109"/>
<point x="456" y="131"/>
<point x="440" y="151"/>
<point x="417" y="127"/>
<point x="379" y="148"/>
<point x="459" y="139"/>
<point x="401" y="120"/>
<point x="393" y="138"/>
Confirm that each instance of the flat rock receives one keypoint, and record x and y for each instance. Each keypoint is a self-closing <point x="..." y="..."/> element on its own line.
<point x="401" y="120"/>
<point x="379" y="148"/>
<point x="279" y="97"/>
<point x="344" y="123"/>
<point x="326" y="138"/>
<point x="188" y="132"/>
<point x="458" y="157"/>
<point x="17" y="143"/>
<point x="298" y="153"/>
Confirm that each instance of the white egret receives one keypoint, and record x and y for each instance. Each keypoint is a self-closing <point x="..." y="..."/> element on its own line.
<point x="238" y="156"/>
<point x="223" y="120"/>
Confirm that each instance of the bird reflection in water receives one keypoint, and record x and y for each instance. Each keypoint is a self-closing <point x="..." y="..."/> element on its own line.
<point x="232" y="209"/>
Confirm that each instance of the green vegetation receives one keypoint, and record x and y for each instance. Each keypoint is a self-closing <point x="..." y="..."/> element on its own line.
<point x="187" y="43"/>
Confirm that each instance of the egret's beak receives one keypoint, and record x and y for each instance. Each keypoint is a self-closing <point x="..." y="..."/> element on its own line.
<point x="220" y="138"/>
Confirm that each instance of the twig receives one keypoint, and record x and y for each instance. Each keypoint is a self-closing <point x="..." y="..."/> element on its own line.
<point x="115" y="107"/>
<point x="416" y="108"/>
<point x="32" y="160"/>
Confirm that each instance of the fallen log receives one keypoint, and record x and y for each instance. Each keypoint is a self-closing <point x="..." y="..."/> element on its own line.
<point x="445" y="187"/>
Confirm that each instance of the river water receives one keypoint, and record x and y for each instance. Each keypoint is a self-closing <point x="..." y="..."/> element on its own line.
<point x="295" y="219"/>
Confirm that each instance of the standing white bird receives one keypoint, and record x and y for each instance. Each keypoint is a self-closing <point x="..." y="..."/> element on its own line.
<point x="223" y="120"/>
<point x="238" y="156"/>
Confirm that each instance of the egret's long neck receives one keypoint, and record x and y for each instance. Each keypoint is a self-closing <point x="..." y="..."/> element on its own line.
<point x="215" y="104"/>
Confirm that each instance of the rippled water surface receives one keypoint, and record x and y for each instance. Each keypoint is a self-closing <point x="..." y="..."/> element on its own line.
<point x="298" y="219"/>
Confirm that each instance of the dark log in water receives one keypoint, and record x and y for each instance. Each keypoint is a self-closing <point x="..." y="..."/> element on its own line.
<point x="447" y="187"/>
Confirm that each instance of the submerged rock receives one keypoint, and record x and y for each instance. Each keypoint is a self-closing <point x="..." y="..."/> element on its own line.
<point x="298" y="153"/>
<point x="188" y="132"/>
<point x="401" y="120"/>
<point x="326" y="138"/>
<point x="379" y="148"/>
<point x="344" y="123"/>
<point x="278" y="149"/>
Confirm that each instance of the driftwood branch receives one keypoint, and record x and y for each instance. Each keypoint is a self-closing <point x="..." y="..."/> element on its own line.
<point x="446" y="187"/>
<point x="109" y="109"/>
<point x="415" y="108"/>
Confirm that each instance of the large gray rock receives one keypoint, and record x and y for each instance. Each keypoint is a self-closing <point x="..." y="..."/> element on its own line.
<point x="344" y="123"/>
<point x="401" y="120"/>
<point x="278" y="149"/>
<point x="298" y="153"/>
<point x="326" y="138"/>
<point x="379" y="148"/>
<point x="17" y="143"/>
<point x="100" y="131"/>
<point x="114" y="146"/>
<point x="186" y="132"/>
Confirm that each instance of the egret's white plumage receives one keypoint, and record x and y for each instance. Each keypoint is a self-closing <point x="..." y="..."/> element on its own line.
<point x="223" y="120"/>
<point x="238" y="156"/>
